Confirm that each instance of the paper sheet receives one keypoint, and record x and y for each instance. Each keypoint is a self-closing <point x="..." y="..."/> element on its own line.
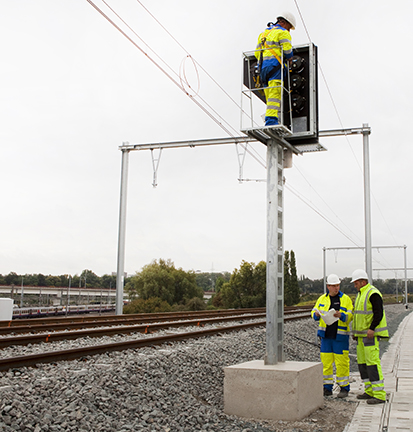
<point x="328" y="317"/>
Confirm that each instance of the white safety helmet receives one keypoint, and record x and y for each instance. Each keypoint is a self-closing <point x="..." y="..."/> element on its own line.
<point x="359" y="274"/>
<point x="333" y="279"/>
<point x="289" y="17"/>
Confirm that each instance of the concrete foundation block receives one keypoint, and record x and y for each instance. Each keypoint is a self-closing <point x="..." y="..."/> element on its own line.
<point x="286" y="391"/>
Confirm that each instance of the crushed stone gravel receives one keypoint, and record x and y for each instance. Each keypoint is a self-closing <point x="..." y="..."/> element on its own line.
<point x="171" y="388"/>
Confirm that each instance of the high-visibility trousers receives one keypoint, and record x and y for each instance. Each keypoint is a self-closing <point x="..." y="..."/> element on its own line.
<point x="368" y="360"/>
<point x="273" y="98"/>
<point x="335" y="352"/>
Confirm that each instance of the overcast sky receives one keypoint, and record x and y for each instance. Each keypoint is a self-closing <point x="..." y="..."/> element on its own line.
<point x="73" y="89"/>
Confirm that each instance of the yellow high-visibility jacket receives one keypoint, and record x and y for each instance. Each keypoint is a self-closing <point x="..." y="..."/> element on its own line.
<point x="274" y="44"/>
<point x="346" y="308"/>
<point x="363" y="314"/>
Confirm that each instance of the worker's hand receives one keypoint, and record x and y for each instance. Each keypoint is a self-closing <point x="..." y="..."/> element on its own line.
<point x="337" y="314"/>
<point x="317" y="314"/>
<point x="370" y="334"/>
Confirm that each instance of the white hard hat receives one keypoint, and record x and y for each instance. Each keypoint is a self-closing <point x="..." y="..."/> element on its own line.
<point x="288" y="16"/>
<point x="359" y="274"/>
<point x="333" y="280"/>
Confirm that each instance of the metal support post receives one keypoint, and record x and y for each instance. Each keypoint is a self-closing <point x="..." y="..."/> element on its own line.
<point x="324" y="270"/>
<point x="22" y="295"/>
<point x="122" y="230"/>
<point x="68" y="295"/>
<point x="405" y="277"/>
<point x="367" y="207"/>
<point x="275" y="255"/>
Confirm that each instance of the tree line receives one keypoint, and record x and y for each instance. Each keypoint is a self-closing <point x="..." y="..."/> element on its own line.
<point x="386" y="286"/>
<point x="86" y="279"/>
<point x="161" y="287"/>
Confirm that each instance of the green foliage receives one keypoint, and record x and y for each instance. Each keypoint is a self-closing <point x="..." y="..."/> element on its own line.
<point x="210" y="281"/>
<point x="108" y="281"/>
<point x="40" y="280"/>
<point x="195" y="304"/>
<point x="216" y="300"/>
<point x="151" y="305"/>
<point x="221" y="281"/>
<point x="161" y="279"/>
<point x="291" y="287"/>
<point x="246" y="287"/>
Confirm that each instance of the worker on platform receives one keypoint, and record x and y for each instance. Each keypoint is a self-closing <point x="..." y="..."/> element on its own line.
<point x="273" y="52"/>
<point x="334" y="312"/>
<point x="368" y="327"/>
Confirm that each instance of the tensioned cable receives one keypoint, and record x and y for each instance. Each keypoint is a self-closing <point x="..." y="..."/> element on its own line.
<point x="218" y="122"/>
<point x="201" y="67"/>
<point x="339" y="117"/>
<point x="291" y="189"/>
<point x="209" y="76"/>
<point x="326" y="219"/>
<point x="168" y="75"/>
<point x="325" y="202"/>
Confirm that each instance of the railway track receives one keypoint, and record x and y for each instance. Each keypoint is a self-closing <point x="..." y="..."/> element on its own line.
<point x="76" y="353"/>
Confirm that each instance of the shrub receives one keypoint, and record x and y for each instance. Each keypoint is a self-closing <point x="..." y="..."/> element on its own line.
<point x="195" y="304"/>
<point x="151" y="305"/>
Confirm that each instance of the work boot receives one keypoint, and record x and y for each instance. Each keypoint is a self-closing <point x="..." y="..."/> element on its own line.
<point x="327" y="392"/>
<point x="375" y="401"/>
<point x="343" y="393"/>
<point x="364" y="396"/>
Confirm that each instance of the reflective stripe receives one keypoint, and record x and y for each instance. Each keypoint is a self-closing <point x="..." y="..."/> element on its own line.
<point x="342" y="378"/>
<point x="275" y="43"/>
<point x="363" y="312"/>
<point x="343" y="332"/>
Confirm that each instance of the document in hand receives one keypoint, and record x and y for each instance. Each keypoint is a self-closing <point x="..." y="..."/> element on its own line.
<point x="328" y="317"/>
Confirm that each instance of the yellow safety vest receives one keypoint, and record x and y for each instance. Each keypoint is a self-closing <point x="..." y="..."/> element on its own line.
<point x="346" y="306"/>
<point x="363" y="314"/>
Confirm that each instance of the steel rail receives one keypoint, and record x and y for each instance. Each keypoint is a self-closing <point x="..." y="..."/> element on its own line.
<point x="99" y="332"/>
<point x="60" y="319"/>
<point x="51" y="326"/>
<point x="78" y="353"/>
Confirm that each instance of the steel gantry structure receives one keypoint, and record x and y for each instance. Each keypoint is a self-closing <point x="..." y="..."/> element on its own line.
<point x="278" y="150"/>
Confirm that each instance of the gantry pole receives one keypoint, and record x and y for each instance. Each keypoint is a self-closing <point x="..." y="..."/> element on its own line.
<point x="365" y="131"/>
<point x="120" y="271"/>
<point x="367" y="206"/>
<point x="275" y="255"/>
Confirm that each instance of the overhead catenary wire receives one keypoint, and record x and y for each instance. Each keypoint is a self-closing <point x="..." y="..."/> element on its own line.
<point x="317" y="211"/>
<point x="204" y="70"/>
<point x="339" y="117"/>
<point x="204" y="106"/>
<point x="196" y="63"/>
<point x="219" y="121"/>
<point x="325" y="202"/>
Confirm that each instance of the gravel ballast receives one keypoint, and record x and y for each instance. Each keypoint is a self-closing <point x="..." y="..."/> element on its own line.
<point x="171" y="388"/>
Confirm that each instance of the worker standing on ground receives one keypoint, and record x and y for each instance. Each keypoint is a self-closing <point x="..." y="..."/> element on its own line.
<point x="335" y="335"/>
<point x="368" y="327"/>
<point x="273" y="50"/>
